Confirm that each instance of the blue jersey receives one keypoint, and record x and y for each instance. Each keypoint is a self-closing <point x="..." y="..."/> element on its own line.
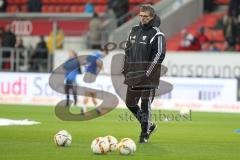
<point x="92" y="66"/>
<point x="72" y="68"/>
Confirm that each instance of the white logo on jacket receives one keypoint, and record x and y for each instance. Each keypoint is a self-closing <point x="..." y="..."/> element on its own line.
<point x="144" y="38"/>
<point x="132" y="37"/>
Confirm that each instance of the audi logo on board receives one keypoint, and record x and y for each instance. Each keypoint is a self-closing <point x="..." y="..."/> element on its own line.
<point x="22" y="27"/>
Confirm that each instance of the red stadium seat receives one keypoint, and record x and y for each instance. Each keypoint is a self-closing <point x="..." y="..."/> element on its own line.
<point x="24" y="8"/>
<point x="16" y="6"/>
<point x="51" y="9"/>
<point x="46" y="1"/>
<point x="65" y="8"/>
<point x="215" y="35"/>
<point x="218" y="35"/>
<point x="57" y="8"/>
<point x="21" y="1"/>
<point x="24" y="1"/>
<point x="220" y="45"/>
<point x="75" y="2"/>
<point x="45" y="9"/>
<point x="69" y="2"/>
<point x="222" y="1"/>
<point x="210" y="23"/>
<point x="12" y="9"/>
<point x="102" y="1"/>
<point x="17" y="2"/>
<point x="238" y="47"/>
<point x="61" y="2"/>
<point x="77" y="8"/>
<point x="210" y="20"/>
<point x="172" y="45"/>
<point x="209" y="34"/>
<point x="100" y="8"/>
<point x="144" y="1"/>
<point x="93" y="1"/>
<point x="193" y="31"/>
<point x="11" y="2"/>
<point x="133" y="8"/>
<point x="54" y="2"/>
<point x="133" y="1"/>
<point x="81" y="8"/>
<point x="73" y="9"/>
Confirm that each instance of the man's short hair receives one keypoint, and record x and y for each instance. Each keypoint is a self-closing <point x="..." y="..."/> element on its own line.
<point x="148" y="8"/>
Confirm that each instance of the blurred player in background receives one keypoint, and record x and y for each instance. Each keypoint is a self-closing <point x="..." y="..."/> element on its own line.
<point x="72" y="68"/>
<point x="146" y="43"/>
<point x="93" y="67"/>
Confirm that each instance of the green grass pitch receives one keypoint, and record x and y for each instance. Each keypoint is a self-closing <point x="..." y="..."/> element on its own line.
<point x="209" y="136"/>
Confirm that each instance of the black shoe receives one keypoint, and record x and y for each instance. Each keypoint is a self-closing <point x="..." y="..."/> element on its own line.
<point x="143" y="138"/>
<point x="152" y="128"/>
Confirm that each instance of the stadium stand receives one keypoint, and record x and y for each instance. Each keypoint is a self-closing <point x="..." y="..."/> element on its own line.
<point x="210" y="22"/>
<point x="73" y="6"/>
<point x="78" y="28"/>
<point x="221" y="27"/>
<point x="75" y="28"/>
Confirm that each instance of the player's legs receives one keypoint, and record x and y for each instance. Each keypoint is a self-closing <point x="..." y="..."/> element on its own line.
<point x="85" y="102"/>
<point x="74" y="90"/>
<point x="93" y="96"/>
<point x="94" y="101"/>
<point x="147" y="98"/>
<point x="67" y="88"/>
<point x="132" y="98"/>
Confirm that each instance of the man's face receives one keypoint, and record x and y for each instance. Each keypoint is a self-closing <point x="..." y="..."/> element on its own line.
<point x="145" y="17"/>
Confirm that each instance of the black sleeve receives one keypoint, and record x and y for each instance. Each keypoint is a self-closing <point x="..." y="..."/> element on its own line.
<point x="126" y="50"/>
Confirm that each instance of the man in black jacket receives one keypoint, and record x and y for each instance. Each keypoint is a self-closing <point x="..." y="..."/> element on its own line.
<point x="144" y="53"/>
<point x="8" y="43"/>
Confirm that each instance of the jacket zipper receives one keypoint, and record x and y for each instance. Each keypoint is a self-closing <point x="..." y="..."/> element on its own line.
<point x="137" y="49"/>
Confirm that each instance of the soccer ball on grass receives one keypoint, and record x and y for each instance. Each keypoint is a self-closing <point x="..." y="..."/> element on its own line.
<point x="63" y="138"/>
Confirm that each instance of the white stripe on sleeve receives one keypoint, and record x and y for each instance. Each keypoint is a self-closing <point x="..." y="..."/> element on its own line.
<point x="157" y="57"/>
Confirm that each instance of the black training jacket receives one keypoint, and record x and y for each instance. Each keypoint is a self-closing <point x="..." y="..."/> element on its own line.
<point x="144" y="53"/>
